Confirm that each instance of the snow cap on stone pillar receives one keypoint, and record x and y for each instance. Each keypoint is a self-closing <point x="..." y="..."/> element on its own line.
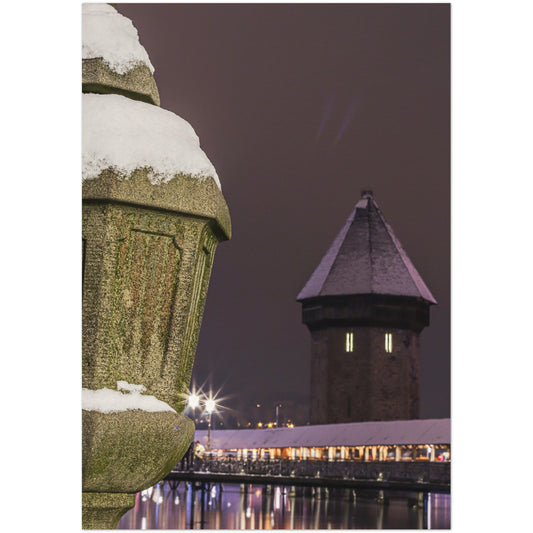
<point x="114" y="61"/>
<point x="126" y="133"/>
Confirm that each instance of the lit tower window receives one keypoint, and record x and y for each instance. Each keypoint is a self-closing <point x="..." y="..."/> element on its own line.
<point x="349" y="341"/>
<point x="388" y="342"/>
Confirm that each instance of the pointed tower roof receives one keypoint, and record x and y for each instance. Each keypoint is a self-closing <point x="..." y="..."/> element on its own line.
<point x="366" y="258"/>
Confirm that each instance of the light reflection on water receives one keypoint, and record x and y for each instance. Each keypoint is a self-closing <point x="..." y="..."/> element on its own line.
<point x="184" y="506"/>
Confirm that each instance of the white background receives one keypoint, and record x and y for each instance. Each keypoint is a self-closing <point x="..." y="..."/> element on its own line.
<point x="491" y="276"/>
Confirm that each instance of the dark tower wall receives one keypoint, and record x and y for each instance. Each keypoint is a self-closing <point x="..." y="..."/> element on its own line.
<point x="367" y="383"/>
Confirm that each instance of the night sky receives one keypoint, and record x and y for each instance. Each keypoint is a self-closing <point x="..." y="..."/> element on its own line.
<point x="299" y="107"/>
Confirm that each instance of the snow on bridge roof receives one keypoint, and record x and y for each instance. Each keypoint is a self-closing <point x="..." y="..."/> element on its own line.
<point x="430" y="431"/>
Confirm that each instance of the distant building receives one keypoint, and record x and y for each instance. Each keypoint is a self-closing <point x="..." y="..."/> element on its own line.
<point x="365" y="306"/>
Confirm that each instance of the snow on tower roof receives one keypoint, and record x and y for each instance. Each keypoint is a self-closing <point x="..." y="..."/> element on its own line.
<point x="366" y="258"/>
<point x="124" y="135"/>
<point x="109" y="35"/>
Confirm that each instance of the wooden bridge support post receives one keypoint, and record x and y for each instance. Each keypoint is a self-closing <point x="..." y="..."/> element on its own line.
<point x="347" y="495"/>
<point x="193" y="506"/>
<point x="421" y="499"/>
<point x="418" y="501"/>
<point x="382" y="499"/>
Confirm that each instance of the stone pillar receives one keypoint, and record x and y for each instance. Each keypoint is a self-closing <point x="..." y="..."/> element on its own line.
<point x="148" y="253"/>
<point x="148" y="250"/>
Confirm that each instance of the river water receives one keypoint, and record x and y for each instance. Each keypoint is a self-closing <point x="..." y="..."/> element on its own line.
<point x="183" y="506"/>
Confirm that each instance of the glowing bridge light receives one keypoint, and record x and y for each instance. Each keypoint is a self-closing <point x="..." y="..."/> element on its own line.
<point x="193" y="401"/>
<point x="210" y="405"/>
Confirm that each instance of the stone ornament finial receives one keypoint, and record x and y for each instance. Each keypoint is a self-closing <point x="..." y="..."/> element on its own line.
<point x="113" y="60"/>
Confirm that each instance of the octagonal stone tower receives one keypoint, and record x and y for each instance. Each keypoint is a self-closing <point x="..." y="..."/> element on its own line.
<point x="365" y="306"/>
<point x="153" y="214"/>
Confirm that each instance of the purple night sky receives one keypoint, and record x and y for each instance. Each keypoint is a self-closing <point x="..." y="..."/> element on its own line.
<point x="299" y="107"/>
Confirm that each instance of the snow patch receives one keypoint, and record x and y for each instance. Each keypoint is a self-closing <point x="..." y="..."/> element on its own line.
<point x="124" y="135"/>
<point x="129" y="387"/>
<point x="112" y="401"/>
<point x="109" y="35"/>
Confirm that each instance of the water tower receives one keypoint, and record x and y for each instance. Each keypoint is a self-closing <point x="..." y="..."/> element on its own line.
<point x="365" y="306"/>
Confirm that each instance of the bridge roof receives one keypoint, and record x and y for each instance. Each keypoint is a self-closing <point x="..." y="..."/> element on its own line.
<point x="366" y="257"/>
<point x="429" y="431"/>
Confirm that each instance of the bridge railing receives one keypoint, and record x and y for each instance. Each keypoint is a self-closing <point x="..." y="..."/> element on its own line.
<point x="430" y="472"/>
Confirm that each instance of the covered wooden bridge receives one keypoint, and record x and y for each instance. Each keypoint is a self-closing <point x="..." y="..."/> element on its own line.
<point x="395" y="441"/>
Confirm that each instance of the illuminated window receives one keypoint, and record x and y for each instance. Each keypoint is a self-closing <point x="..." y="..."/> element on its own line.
<point x="349" y="342"/>
<point x="388" y="342"/>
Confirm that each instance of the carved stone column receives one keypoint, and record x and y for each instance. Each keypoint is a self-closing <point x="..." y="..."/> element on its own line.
<point x="148" y="250"/>
<point x="147" y="257"/>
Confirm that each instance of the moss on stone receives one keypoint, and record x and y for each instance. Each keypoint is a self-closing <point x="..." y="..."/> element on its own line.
<point x="103" y="510"/>
<point x="129" y="451"/>
<point x="146" y="275"/>
<point x="137" y="84"/>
